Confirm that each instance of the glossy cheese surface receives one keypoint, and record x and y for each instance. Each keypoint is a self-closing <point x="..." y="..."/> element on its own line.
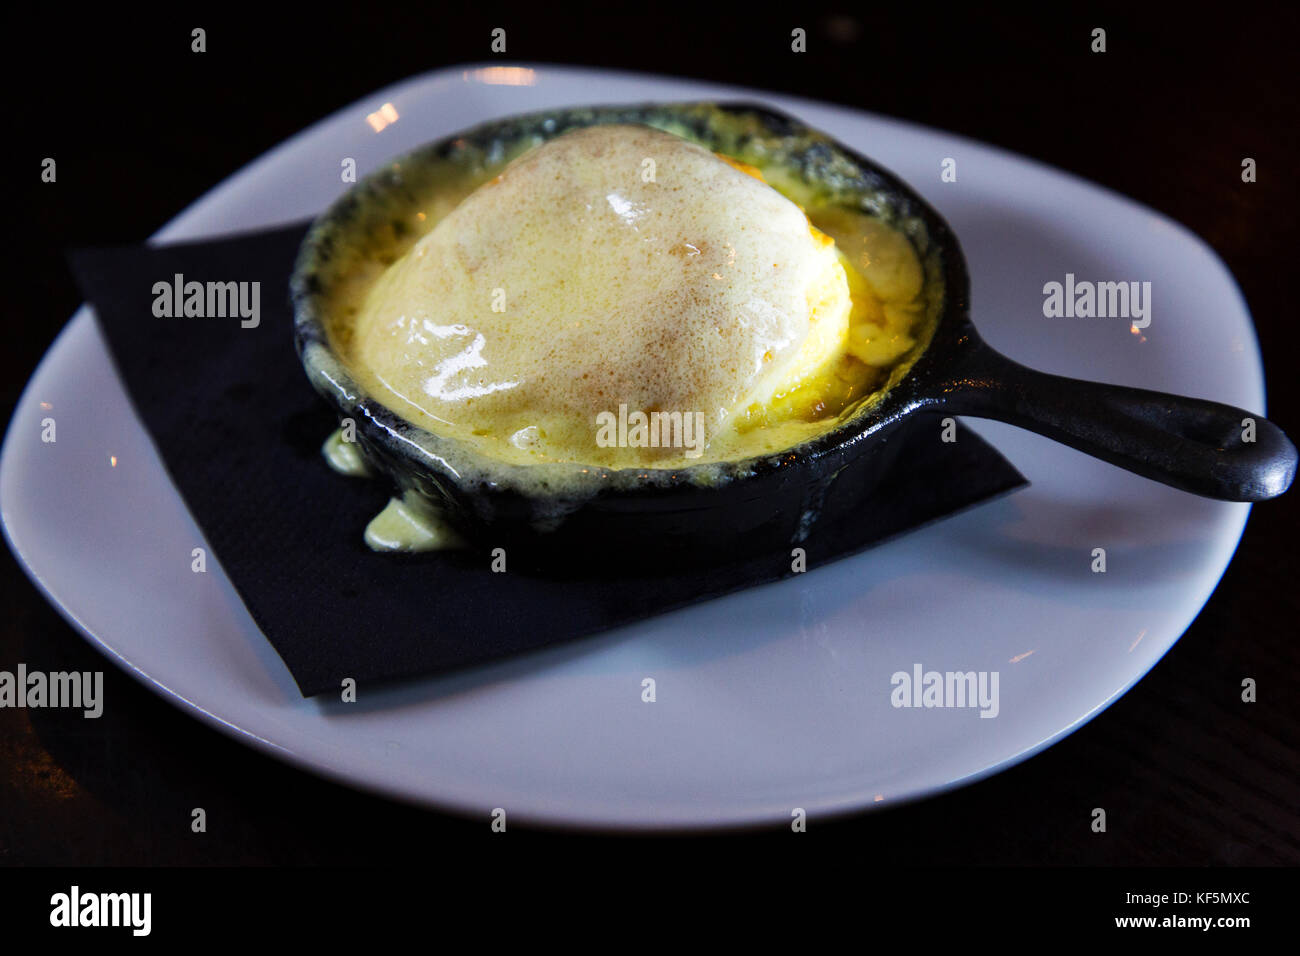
<point x="622" y="270"/>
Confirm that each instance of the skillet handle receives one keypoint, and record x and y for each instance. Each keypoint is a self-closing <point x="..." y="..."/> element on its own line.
<point x="1189" y="443"/>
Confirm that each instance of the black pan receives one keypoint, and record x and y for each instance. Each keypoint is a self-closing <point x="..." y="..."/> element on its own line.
<point x="772" y="502"/>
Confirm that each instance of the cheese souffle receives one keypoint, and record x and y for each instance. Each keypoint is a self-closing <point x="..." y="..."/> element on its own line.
<point x="617" y="277"/>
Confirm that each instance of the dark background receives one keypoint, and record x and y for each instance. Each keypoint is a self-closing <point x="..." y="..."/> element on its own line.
<point x="140" y="127"/>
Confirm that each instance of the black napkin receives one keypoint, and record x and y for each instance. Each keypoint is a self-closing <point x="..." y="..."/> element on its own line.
<point x="240" y="431"/>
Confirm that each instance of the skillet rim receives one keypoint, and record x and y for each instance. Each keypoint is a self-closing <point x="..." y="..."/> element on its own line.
<point x="921" y="386"/>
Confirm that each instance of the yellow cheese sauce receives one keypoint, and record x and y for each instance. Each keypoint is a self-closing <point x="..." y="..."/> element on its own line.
<point x="568" y="308"/>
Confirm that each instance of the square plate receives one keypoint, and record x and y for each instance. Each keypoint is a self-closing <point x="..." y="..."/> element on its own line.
<point x="775" y="698"/>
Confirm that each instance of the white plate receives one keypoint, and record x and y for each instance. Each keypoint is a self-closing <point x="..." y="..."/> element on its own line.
<point x="775" y="698"/>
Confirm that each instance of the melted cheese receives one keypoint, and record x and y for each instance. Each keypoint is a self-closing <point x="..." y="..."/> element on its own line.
<point x="621" y="269"/>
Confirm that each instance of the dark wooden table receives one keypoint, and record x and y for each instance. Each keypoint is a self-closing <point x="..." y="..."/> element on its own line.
<point x="141" y="126"/>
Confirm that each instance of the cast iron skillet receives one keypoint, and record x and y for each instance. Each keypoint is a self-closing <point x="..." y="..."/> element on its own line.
<point x="775" y="501"/>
